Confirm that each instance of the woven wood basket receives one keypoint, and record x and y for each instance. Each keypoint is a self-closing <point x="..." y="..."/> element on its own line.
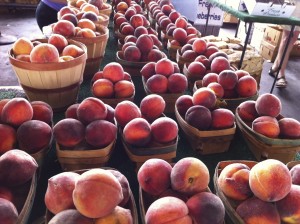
<point x="103" y="20"/>
<point x="230" y="205"/>
<point x="83" y="159"/>
<point x="192" y="82"/>
<point x="54" y="83"/>
<point x="263" y="147"/>
<point x="106" y="11"/>
<point x="206" y="142"/>
<point x="172" y="50"/>
<point x="131" y="205"/>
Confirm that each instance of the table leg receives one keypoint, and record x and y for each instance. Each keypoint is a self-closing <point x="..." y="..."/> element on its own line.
<point x="282" y="58"/>
<point x="245" y="45"/>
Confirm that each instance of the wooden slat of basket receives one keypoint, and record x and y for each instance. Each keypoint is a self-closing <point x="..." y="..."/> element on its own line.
<point x="172" y="50"/>
<point x="106" y="11"/>
<point x="291" y="164"/>
<point x="103" y="20"/>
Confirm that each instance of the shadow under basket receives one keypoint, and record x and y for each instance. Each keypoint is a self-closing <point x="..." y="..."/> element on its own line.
<point x="54" y="83"/>
<point x="264" y="147"/>
<point x="206" y="142"/>
<point x="83" y="159"/>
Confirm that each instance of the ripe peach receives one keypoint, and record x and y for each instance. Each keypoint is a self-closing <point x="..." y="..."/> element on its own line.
<point x="97" y="192"/>
<point x="64" y="10"/>
<point x="289" y="128"/>
<point x="2" y="103"/>
<point x="152" y="181"/>
<point x="222" y="118"/>
<point x="217" y="88"/>
<point x="130" y="38"/>
<point x="95" y="136"/>
<point x="157" y="84"/>
<point x="228" y="79"/>
<point x="246" y="86"/>
<point x="137" y="132"/>
<point x="219" y="64"/>
<point x="70" y="216"/>
<point x="267" y="126"/>
<point x="71" y="111"/>
<point x="180" y="35"/>
<point x="44" y="53"/>
<point x="127" y="29"/>
<point x="170" y="28"/>
<point x="155" y="55"/>
<point x="164" y="21"/>
<point x="177" y="83"/>
<point x="72" y="50"/>
<point x="64" y="27"/>
<point x="164" y="130"/>
<point x="89" y="8"/>
<point x="129" y="13"/>
<point x="110" y="114"/>
<point x="68" y="132"/>
<point x="268" y="104"/>
<point x="270" y="180"/>
<point x="121" y="6"/>
<point x="189" y="176"/>
<point x="241" y="73"/>
<point x="217" y="54"/>
<point x="124" y="184"/>
<point x="124" y="89"/>
<point x="113" y="71"/>
<point x="132" y="53"/>
<point x="233" y="181"/>
<point x="209" y="78"/>
<point x="8" y="212"/>
<point x="210" y="50"/>
<point x="118" y="215"/>
<point x="141" y="30"/>
<point x="6" y="193"/>
<point x="42" y="111"/>
<point x="16" y="111"/>
<point x="204" y="96"/>
<point x="152" y="106"/>
<point x="22" y="46"/>
<point x="204" y="60"/>
<point x="34" y="135"/>
<point x="8" y="138"/>
<point x="136" y="20"/>
<point x="103" y="88"/>
<point x="174" y="14"/>
<point x="58" y="196"/>
<point x="20" y="167"/>
<point x="164" y="67"/>
<point x="206" y="207"/>
<point x="90" y="15"/>
<point x="125" y="111"/>
<point x="70" y="17"/>
<point x="91" y="109"/>
<point x="181" y="22"/>
<point x="185" y="48"/>
<point x="199" y="117"/>
<point x="86" y="32"/>
<point x="246" y="110"/>
<point x="127" y="44"/>
<point x="254" y="210"/>
<point x="196" y="71"/>
<point x="168" y="210"/>
<point x="295" y="173"/>
<point x="183" y="103"/>
<point x="120" y="20"/>
<point x="190" y="55"/>
<point x="199" y="46"/>
<point x="148" y="70"/>
<point x="144" y="43"/>
<point x="191" y="30"/>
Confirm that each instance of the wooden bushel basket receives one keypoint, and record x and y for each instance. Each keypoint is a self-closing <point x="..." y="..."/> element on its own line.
<point x="206" y="142"/>
<point x="103" y="20"/>
<point x="230" y="205"/>
<point x="83" y="159"/>
<point x="54" y="83"/>
<point x="131" y="205"/>
<point x="106" y="11"/>
<point x="172" y="50"/>
<point x="263" y="147"/>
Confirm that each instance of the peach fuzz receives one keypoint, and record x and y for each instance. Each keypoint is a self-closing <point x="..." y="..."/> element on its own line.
<point x="247" y="112"/>
<point x="217" y="89"/>
<point x="22" y="46"/>
<point x="209" y="78"/>
<point x="152" y="107"/>
<point x="154" y="176"/>
<point x="164" y="130"/>
<point x="42" y="111"/>
<point x="113" y="71"/>
<point x="241" y="73"/>
<point x="189" y="55"/>
<point x="157" y="84"/>
<point x="270" y="180"/>
<point x="6" y="193"/>
<point x="168" y="210"/>
<point x="125" y="111"/>
<point x="185" y="48"/>
<point x="206" y="207"/>
<point x="72" y="50"/>
<point x="164" y="67"/>
<point x="104" y="193"/>
<point x="219" y="64"/>
<point x="86" y="32"/>
<point x="254" y="210"/>
<point x="64" y="10"/>
<point x="268" y="104"/>
<point x="95" y="136"/>
<point x="196" y="71"/>
<point x="222" y="118"/>
<point x="267" y="126"/>
<point x="64" y="28"/>
<point x="228" y="79"/>
<point x="148" y="70"/>
<point x="119" y="215"/>
<point x="58" y="196"/>
<point x="91" y="16"/>
<point x="211" y="50"/>
<point x="89" y="8"/>
<point x="155" y="55"/>
<point x="132" y="53"/>
<point x="124" y="89"/>
<point x="110" y="114"/>
<point x="233" y="181"/>
<point x="199" y="117"/>
<point x="8" y="212"/>
<point x="144" y="43"/>
<point x="289" y="128"/>
<point x="8" y="138"/>
<point x="126" y="191"/>
<point x="91" y="109"/>
<point x="70" y="216"/>
<point x="180" y="35"/>
<point x="177" y="83"/>
<point x="204" y="96"/>
<point x="71" y="111"/>
<point x="199" y="46"/>
<point x="59" y="41"/>
<point x="189" y="176"/>
<point x="69" y="132"/>
<point x="103" y="88"/>
<point x="295" y="173"/>
<point x="246" y="86"/>
<point x="183" y="103"/>
<point x="44" y="53"/>
<point x="16" y="111"/>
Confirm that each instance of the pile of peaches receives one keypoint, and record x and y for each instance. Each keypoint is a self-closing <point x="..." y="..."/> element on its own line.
<point x="263" y="116"/>
<point x="83" y="125"/>
<point x="25" y="125"/>
<point x="94" y="196"/>
<point x="89" y="5"/>
<point x="178" y="194"/>
<point x="17" y="170"/>
<point x="267" y="192"/>
<point x="55" y="49"/>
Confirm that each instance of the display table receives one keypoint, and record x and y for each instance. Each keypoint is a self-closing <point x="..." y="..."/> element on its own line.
<point x="244" y="16"/>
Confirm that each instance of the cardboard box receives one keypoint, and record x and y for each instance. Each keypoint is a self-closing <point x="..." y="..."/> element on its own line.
<point x="273" y="34"/>
<point x="268" y="51"/>
<point x="275" y="8"/>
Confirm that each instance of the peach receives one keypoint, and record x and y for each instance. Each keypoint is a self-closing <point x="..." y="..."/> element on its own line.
<point x="170" y="29"/>
<point x="141" y="30"/>
<point x="144" y="43"/>
<point x="86" y="32"/>
<point x="222" y="118"/>
<point x="148" y="70"/>
<point x="104" y="193"/>
<point x="34" y="135"/>
<point x="198" y="117"/>
<point x="228" y="80"/>
<point x="103" y="88"/>
<point x="8" y="212"/>
<point x="155" y="55"/>
<point x="164" y="21"/>
<point x="70" y="17"/>
<point x="154" y="176"/>
<point x="233" y="181"/>
<point x="267" y="126"/>
<point x="127" y="44"/>
<point x="121" y="6"/>
<point x="199" y="46"/>
<point x="65" y="58"/>
<point x="196" y="71"/>
<point x="176" y="67"/>
<point x="191" y="30"/>
<point x="210" y="50"/>
<point x="217" y="88"/>
<point x="204" y="96"/>
<point x="246" y="86"/>
<point x="152" y="106"/>
<point x="120" y="20"/>
<point x="268" y="104"/>
<point x="289" y="128"/>
<point x="136" y="20"/>
<point x="270" y="180"/>
<point x="2" y="104"/>
<point x="206" y="207"/>
<point x="7" y="194"/>
<point x="180" y="35"/>
<point x="219" y="64"/>
<point x="72" y="50"/>
<point x="189" y="176"/>
<point x="132" y="53"/>
<point x="124" y="184"/>
<point x="110" y="114"/>
<point x="125" y="111"/>
<point x="168" y="210"/>
<point x="97" y="3"/>
<point x="124" y="89"/>
<point x="295" y="173"/>
<point x="129" y="13"/>
<point x="113" y="71"/>
<point x="44" y="53"/>
<point x="254" y="210"/>
<point x="58" y="196"/>
<point x="137" y="132"/>
<point x="119" y="215"/>
<point x="204" y="60"/>
<point x="42" y="111"/>
<point x="91" y="109"/>
<point x="16" y="111"/>
<point x="157" y="84"/>
<point x="8" y="138"/>
<point x="185" y="48"/>
<point x="22" y="46"/>
<point x="95" y="136"/>
<point x="90" y="15"/>
<point x="177" y="83"/>
<point x="181" y="22"/>
<point x="130" y="38"/>
<point x="166" y="9"/>
<point x="164" y="130"/>
<point x="68" y="132"/>
<point x="241" y="73"/>
<point x="183" y="103"/>
<point x="71" y="111"/>
<point x="164" y="67"/>
<point x="209" y="78"/>
<point x="90" y="8"/>
<point x="70" y="216"/>
<point x="64" y="10"/>
<point x="217" y="54"/>
<point x="127" y="29"/>
<point x="174" y="14"/>
<point x="64" y="27"/>
<point x="246" y="110"/>
<point x="190" y="55"/>
<point x="20" y="167"/>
